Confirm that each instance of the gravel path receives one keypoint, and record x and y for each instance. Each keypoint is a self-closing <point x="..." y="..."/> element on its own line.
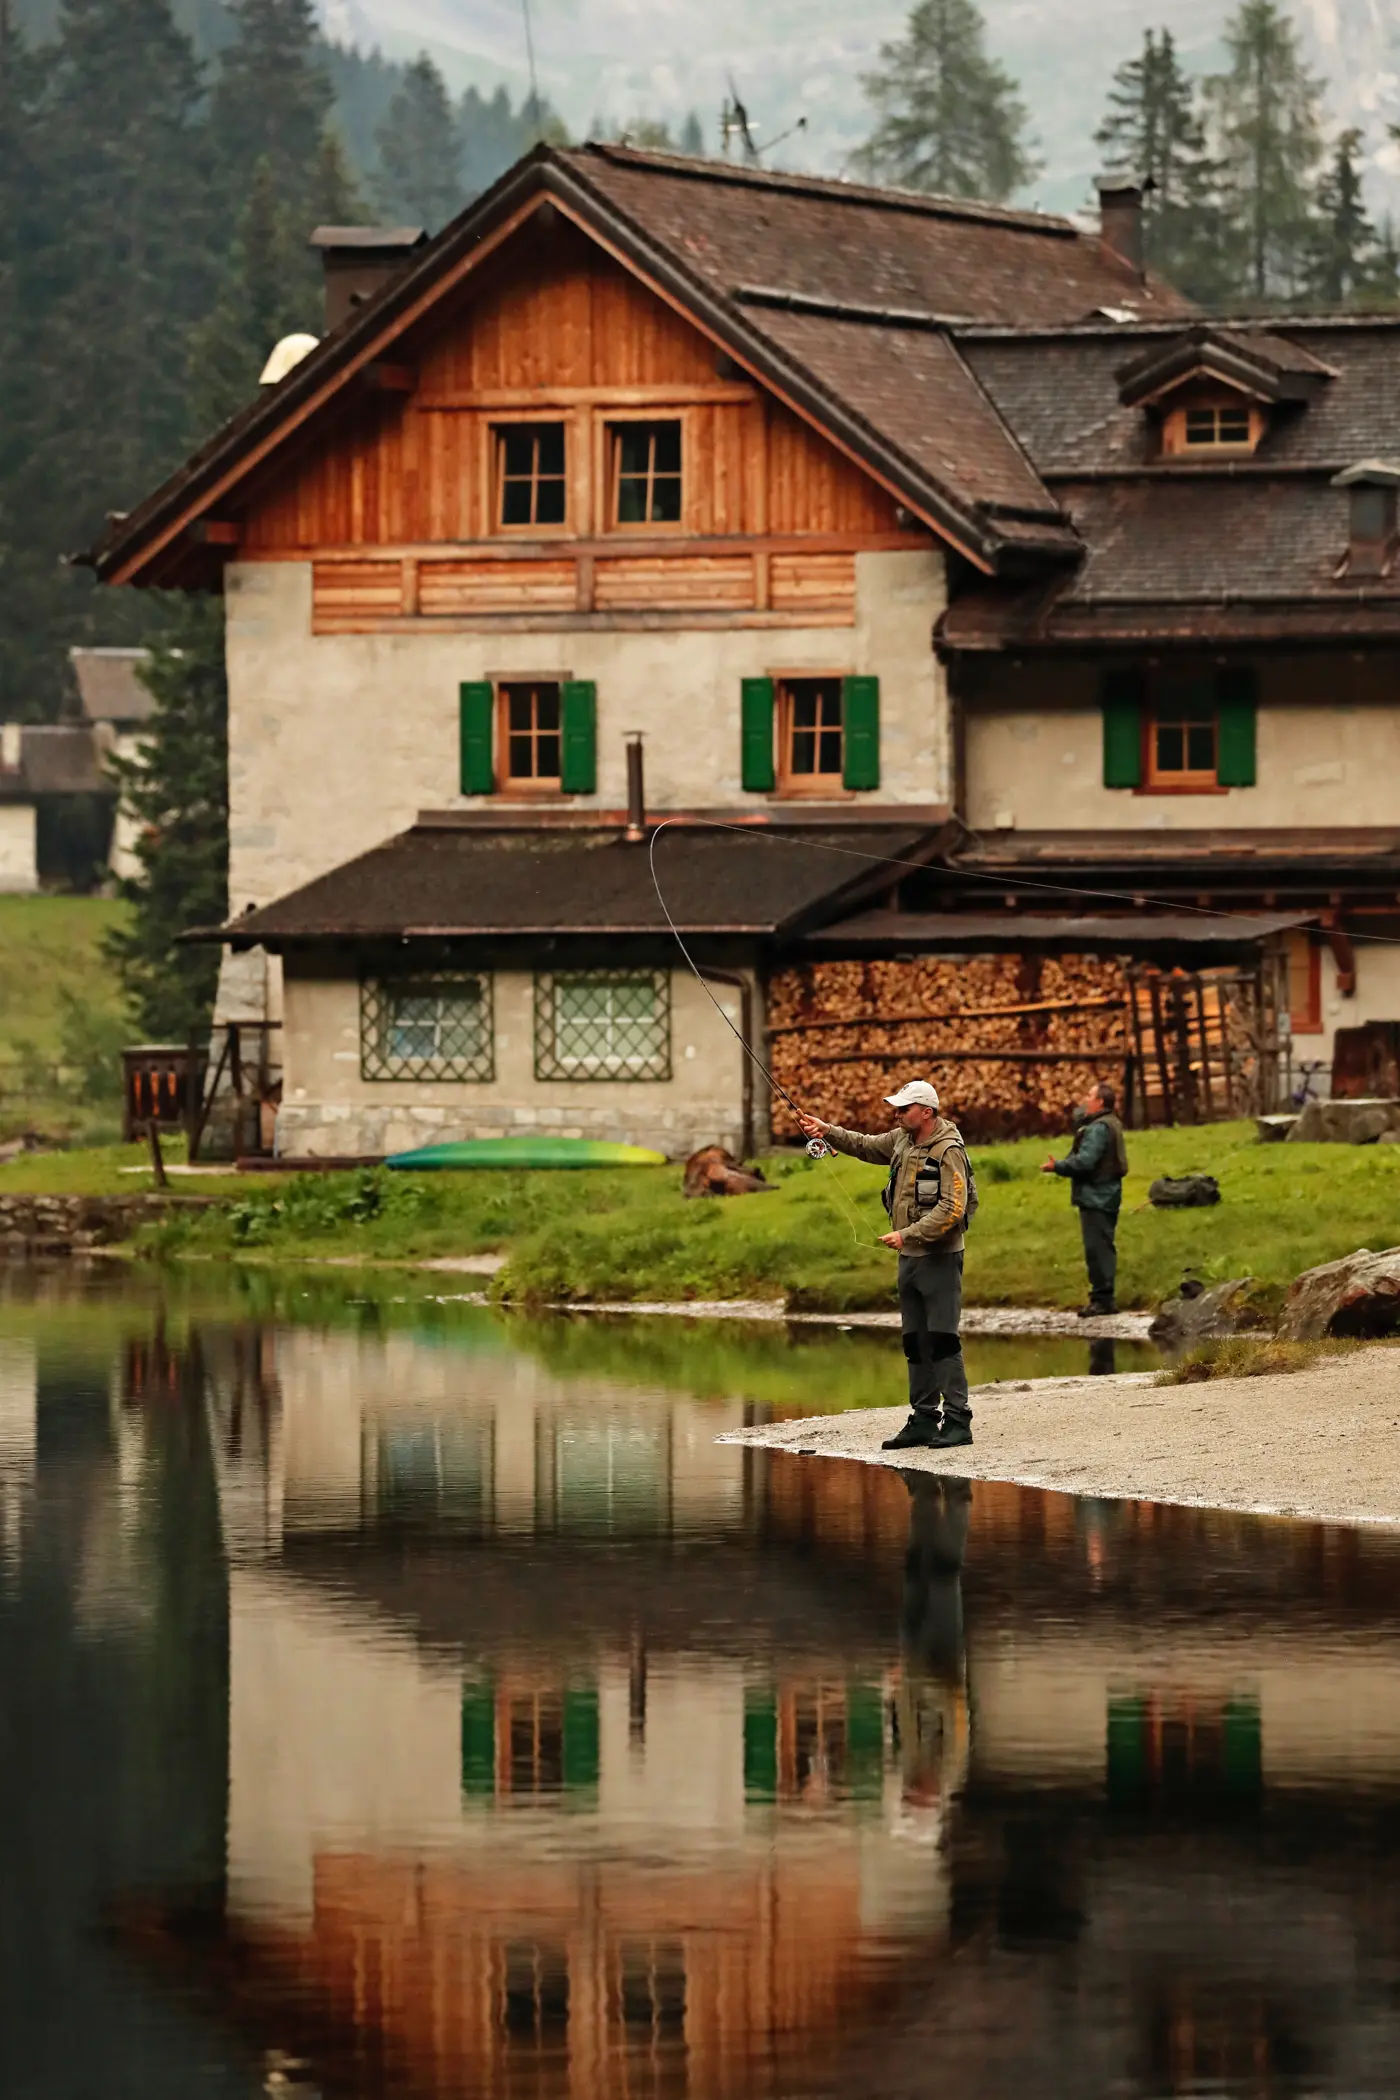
<point x="1322" y="1442"/>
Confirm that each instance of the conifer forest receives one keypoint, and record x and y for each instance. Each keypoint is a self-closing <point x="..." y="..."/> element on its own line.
<point x="163" y="161"/>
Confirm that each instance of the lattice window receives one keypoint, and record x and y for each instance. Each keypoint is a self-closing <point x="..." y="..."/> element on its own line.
<point x="532" y="486"/>
<point x="646" y="473"/>
<point x="811" y="733"/>
<point x="603" y="1024"/>
<point x="428" y="1027"/>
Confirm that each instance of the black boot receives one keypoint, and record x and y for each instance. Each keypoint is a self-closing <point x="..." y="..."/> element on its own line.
<point x="918" y="1432"/>
<point x="951" y="1436"/>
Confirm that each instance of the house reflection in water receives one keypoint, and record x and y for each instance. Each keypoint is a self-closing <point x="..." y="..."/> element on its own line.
<point x="573" y="1753"/>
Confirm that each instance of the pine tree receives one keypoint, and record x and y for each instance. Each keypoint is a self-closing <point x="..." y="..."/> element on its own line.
<point x="419" y="177"/>
<point x="1154" y="130"/>
<point x="113" y="268"/>
<point x="693" y="137"/>
<point x="950" y="119"/>
<point x="1268" y="133"/>
<point x="179" y="794"/>
<point x="272" y="96"/>
<point x="494" y="135"/>
<point x="1348" y="264"/>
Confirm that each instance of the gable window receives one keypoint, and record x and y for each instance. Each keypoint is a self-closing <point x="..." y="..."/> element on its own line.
<point x="426" y="1027"/>
<point x="644" y="472"/>
<point x="530" y="735"/>
<point x="812" y="736"/>
<point x="603" y="1024"/>
<point x="531" y="488"/>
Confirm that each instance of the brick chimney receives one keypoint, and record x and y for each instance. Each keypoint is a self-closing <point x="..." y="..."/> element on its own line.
<point x="1120" y="218"/>
<point x="357" y="260"/>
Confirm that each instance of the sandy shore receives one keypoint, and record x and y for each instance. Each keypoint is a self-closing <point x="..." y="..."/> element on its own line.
<point x="1322" y="1443"/>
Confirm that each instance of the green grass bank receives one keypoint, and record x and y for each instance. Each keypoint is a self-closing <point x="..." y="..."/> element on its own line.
<point x="629" y="1234"/>
<point x="61" y="1022"/>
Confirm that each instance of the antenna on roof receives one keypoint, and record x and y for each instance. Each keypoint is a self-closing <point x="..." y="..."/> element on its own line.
<point x="734" y="121"/>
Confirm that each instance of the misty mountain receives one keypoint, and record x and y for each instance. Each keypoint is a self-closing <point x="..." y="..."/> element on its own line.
<point x="792" y="58"/>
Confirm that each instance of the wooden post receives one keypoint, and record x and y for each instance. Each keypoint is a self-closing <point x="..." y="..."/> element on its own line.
<point x="157" y="1160"/>
<point x="1207" y="1090"/>
<point x="1154" y="986"/>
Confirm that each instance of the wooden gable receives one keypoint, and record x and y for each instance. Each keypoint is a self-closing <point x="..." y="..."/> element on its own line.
<point x="395" y="498"/>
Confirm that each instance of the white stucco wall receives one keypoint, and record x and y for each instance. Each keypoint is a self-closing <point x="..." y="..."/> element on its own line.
<point x="1326" y="756"/>
<point x="19" y="854"/>
<point x="328" y="1110"/>
<point x="336" y="742"/>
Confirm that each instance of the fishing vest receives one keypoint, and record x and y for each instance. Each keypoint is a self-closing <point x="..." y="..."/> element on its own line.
<point x="928" y="1181"/>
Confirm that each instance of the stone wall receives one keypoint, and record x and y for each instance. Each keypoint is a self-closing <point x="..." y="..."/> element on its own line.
<point x="42" y="1226"/>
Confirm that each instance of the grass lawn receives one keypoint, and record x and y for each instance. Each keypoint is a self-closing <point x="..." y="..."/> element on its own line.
<point x="628" y="1233"/>
<point x="60" y="1018"/>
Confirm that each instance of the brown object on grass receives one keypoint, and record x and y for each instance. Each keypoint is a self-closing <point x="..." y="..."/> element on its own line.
<point x="714" y="1172"/>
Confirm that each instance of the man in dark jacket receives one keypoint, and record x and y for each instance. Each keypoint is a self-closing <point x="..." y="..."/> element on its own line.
<point x="1094" y="1166"/>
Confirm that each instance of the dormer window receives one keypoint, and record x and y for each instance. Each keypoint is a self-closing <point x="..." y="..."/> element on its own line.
<point x="1216" y="429"/>
<point x="1214" y="391"/>
<point x="1196" y="427"/>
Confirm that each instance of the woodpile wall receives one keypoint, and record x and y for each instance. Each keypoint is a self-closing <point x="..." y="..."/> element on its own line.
<point x="1010" y="1041"/>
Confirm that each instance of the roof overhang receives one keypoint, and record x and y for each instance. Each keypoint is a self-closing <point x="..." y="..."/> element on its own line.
<point x="1208" y="353"/>
<point x="179" y="528"/>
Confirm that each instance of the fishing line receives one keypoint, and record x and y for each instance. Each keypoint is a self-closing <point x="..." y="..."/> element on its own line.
<point x="817" y="1148"/>
<point x="1136" y="900"/>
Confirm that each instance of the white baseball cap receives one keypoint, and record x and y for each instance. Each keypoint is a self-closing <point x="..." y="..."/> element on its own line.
<point x="914" y="1093"/>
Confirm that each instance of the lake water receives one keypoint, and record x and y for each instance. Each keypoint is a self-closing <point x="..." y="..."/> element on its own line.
<point x="400" y="1700"/>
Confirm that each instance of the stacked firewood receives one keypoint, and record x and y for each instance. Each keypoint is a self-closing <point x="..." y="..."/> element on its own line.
<point x="1009" y="1040"/>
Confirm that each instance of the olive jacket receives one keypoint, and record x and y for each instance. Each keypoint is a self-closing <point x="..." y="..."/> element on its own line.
<point x="939" y="1228"/>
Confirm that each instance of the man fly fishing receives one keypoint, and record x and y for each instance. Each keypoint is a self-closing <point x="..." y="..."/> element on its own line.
<point x="930" y="1198"/>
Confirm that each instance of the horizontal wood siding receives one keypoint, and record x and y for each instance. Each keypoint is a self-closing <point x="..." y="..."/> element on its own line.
<point x="495" y="587"/>
<point x="799" y="583"/>
<point x="347" y="596"/>
<point x="716" y="582"/>
<point x="561" y="330"/>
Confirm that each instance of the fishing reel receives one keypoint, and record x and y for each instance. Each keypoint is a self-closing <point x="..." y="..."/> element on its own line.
<point x="818" y="1148"/>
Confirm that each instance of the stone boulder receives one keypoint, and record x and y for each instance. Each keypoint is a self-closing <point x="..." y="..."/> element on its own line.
<point x="1359" y="1295"/>
<point x="714" y="1172"/>
<point x="1344" y="1122"/>
<point x="1204" y="1315"/>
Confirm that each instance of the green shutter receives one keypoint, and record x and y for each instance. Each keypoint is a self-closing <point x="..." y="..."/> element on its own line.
<point x="479" y="1738"/>
<point x="1122" y="694"/>
<point x="860" y="716"/>
<point x="578" y="764"/>
<point x="865" y="1741"/>
<point x="581" y="1739"/>
<point x="756" y="736"/>
<point x="478" y="705"/>
<point x="1237" y="697"/>
<point x="760" y="1746"/>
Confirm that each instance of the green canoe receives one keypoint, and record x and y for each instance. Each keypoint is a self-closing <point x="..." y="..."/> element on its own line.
<point x="520" y="1152"/>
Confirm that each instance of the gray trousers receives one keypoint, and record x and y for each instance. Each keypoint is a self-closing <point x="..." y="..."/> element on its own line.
<point x="930" y="1312"/>
<point x="1100" y="1254"/>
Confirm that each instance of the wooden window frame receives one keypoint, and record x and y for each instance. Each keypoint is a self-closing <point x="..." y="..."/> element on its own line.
<point x="535" y="786"/>
<point x="609" y="471"/>
<point x="1169" y="783"/>
<point x="821" y="787"/>
<point x="497" y="432"/>
<point x="1174" y="426"/>
<point x="1311" y="1022"/>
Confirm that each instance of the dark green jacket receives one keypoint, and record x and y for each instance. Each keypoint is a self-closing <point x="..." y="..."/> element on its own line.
<point x="1096" y="1164"/>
